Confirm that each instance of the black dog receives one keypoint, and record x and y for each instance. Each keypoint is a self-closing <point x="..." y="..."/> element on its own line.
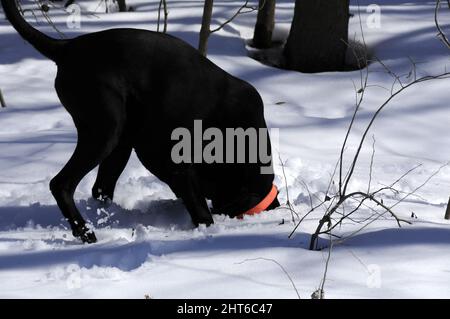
<point x="129" y="89"/>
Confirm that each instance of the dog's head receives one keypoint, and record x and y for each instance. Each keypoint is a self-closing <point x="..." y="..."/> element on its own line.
<point x="249" y="194"/>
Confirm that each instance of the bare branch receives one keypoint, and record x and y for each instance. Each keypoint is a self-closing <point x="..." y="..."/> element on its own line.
<point x="371" y="165"/>
<point x="445" y="75"/>
<point x="241" y="10"/>
<point x="441" y="34"/>
<point x="163" y="5"/>
<point x="288" y="201"/>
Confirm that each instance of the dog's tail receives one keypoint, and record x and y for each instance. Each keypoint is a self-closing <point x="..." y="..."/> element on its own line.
<point x="47" y="46"/>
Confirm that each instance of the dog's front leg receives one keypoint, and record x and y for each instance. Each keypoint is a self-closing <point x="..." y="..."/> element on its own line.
<point x="186" y="184"/>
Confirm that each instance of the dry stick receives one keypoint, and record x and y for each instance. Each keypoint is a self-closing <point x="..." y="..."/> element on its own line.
<point x="421" y="185"/>
<point x="206" y="31"/>
<point x="342" y="199"/>
<point x="379" y="203"/>
<point x="309" y="193"/>
<point x="390" y="187"/>
<point x="47" y="18"/>
<point x="445" y="75"/>
<point x="279" y="265"/>
<point x="163" y="4"/>
<point x="441" y="34"/>
<point x="345" y="216"/>
<point x="240" y="11"/>
<point x="397" y="192"/>
<point x="371" y="164"/>
<point x="325" y="272"/>
<point x="2" y="100"/>
<point x="327" y="198"/>
<point x="332" y="178"/>
<point x="364" y="82"/>
<point x="398" y="202"/>
<point x="304" y="216"/>
<point x="288" y="201"/>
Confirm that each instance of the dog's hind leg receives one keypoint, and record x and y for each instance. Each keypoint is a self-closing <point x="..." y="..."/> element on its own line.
<point x="88" y="153"/>
<point x="110" y="169"/>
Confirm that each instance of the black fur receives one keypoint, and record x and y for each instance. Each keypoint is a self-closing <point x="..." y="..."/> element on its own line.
<point x="129" y="89"/>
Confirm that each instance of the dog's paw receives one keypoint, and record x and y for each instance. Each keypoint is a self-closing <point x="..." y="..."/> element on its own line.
<point x="85" y="234"/>
<point x="206" y="222"/>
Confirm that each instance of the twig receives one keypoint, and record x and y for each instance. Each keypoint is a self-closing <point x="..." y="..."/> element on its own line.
<point x="163" y="4"/>
<point x="309" y="193"/>
<point x="206" y="30"/>
<point x="441" y="34"/>
<point x="421" y="185"/>
<point x="398" y="202"/>
<point x="304" y="217"/>
<point x="371" y="164"/>
<point x="49" y="20"/>
<point x="361" y="91"/>
<point x="288" y="201"/>
<point x="320" y="293"/>
<point x="279" y="265"/>
<point x="445" y="75"/>
<point x="238" y="12"/>
<point x="398" y="179"/>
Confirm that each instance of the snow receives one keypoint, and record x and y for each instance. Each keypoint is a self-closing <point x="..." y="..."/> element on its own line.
<point x="147" y="244"/>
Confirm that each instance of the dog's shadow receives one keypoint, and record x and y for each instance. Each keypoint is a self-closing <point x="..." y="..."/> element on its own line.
<point x="118" y="249"/>
<point x="164" y="213"/>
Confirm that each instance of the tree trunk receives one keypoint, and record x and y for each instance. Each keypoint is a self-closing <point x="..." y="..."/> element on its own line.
<point x="122" y="5"/>
<point x="318" y="38"/>
<point x="205" y="31"/>
<point x="265" y="22"/>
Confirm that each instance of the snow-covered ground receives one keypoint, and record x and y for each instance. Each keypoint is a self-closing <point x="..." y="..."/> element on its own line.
<point x="147" y="245"/>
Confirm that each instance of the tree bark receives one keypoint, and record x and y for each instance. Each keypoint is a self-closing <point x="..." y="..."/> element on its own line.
<point x="205" y="31"/>
<point x="265" y="22"/>
<point x="318" y="38"/>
